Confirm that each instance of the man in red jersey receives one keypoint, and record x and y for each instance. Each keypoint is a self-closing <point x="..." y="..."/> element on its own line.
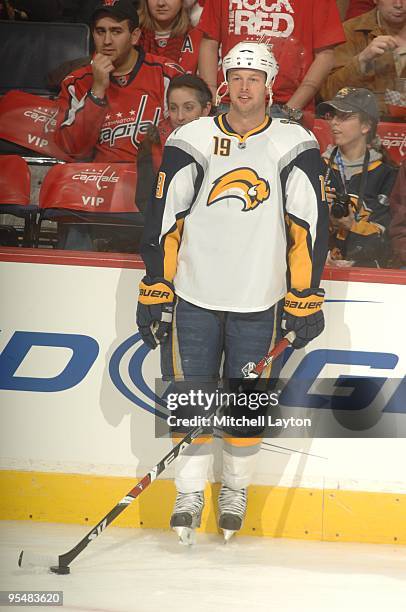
<point x="106" y="107"/>
<point x="303" y="35"/>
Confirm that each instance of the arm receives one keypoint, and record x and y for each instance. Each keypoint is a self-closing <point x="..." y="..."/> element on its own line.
<point x="210" y="25"/>
<point x="307" y="220"/>
<point x="208" y="63"/>
<point x="175" y="192"/>
<point x="307" y="224"/>
<point x="354" y="62"/>
<point x="177" y="185"/>
<point x="83" y="107"/>
<point x="314" y="78"/>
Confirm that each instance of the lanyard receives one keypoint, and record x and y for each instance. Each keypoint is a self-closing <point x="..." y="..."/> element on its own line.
<point x="336" y="155"/>
<point x="341" y="169"/>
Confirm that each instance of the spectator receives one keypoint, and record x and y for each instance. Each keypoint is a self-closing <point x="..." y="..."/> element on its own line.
<point x="358" y="181"/>
<point x="358" y="7"/>
<point x="397" y="228"/>
<point x="105" y="108"/>
<point x="303" y="35"/>
<point x="166" y="30"/>
<point x="374" y="55"/>
<point x="188" y="98"/>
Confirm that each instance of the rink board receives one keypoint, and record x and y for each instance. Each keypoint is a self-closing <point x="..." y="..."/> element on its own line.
<point x="77" y="422"/>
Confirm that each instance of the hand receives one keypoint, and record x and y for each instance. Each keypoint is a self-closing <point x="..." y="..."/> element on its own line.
<point x="344" y="223"/>
<point x="377" y="47"/>
<point x="330" y="195"/>
<point x="303" y="315"/>
<point x="155" y="310"/>
<point x="335" y="261"/>
<point x="101" y="68"/>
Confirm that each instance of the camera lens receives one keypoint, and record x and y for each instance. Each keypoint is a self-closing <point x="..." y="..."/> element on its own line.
<point x="341" y="207"/>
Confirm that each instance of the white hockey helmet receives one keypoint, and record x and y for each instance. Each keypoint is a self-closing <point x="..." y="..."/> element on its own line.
<point x="253" y="55"/>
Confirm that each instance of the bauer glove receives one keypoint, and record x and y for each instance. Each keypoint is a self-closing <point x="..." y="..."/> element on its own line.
<point x="155" y="310"/>
<point x="303" y="315"/>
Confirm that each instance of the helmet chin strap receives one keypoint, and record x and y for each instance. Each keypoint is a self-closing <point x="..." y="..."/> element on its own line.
<point x="270" y="94"/>
<point x="219" y="93"/>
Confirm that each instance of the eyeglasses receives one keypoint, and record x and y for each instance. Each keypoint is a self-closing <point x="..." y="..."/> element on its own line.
<point x="340" y="117"/>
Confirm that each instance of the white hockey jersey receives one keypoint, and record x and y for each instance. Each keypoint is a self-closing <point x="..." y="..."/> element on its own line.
<point x="236" y="221"/>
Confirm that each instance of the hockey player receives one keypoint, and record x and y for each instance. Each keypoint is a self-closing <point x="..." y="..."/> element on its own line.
<point x="237" y="223"/>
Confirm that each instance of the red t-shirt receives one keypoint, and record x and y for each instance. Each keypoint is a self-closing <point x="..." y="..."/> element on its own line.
<point x="295" y="28"/>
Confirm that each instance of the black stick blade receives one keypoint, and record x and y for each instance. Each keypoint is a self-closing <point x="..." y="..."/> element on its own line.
<point x="60" y="569"/>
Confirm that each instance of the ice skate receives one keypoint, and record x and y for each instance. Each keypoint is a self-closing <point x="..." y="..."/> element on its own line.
<point x="187" y="515"/>
<point x="232" y="507"/>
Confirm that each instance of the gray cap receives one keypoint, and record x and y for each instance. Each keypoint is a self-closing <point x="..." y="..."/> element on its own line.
<point x="351" y="100"/>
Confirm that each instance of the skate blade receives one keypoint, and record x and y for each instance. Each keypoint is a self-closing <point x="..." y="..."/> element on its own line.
<point x="186" y="535"/>
<point x="228" y="534"/>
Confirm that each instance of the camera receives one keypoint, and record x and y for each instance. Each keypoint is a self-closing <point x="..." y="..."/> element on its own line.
<point x="341" y="205"/>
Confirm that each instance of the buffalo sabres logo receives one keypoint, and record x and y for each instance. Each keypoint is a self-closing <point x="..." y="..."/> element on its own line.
<point x="243" y="184"/>
<point x="345" y="91"/>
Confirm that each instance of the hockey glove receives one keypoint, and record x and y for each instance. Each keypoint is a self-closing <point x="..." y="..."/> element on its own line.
<point x="303" y="315"/>
<point x="155" y="310"/>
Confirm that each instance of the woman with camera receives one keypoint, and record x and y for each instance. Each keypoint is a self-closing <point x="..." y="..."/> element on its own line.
<point x="358" y="181"/>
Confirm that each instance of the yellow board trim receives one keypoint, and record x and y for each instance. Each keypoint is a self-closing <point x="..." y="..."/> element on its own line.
<point x="309" y="514"/>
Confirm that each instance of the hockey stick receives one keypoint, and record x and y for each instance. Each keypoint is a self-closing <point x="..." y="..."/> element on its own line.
<point x="60" y="564"/>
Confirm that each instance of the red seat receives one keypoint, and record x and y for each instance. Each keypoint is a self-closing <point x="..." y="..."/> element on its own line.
<point x="322" y="131"/>
<point x="393" y="137"/>
<point x="29" y="121"/>
<point x="15" y="183"/>
<point x="93" y="193"/>
<point x="392" y="134"/>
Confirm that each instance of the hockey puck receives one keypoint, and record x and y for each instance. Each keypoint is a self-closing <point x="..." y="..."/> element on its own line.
<point x="60" y="569"/>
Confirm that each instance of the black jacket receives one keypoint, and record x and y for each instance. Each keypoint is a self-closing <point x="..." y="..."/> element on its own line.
<point x="367" y="241"/>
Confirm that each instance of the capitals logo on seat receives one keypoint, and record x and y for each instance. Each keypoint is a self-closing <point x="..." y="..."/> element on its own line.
<point x="243" y="184"/>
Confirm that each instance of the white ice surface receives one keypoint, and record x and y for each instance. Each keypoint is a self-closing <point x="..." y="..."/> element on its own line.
<point x="148" y="571"/>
